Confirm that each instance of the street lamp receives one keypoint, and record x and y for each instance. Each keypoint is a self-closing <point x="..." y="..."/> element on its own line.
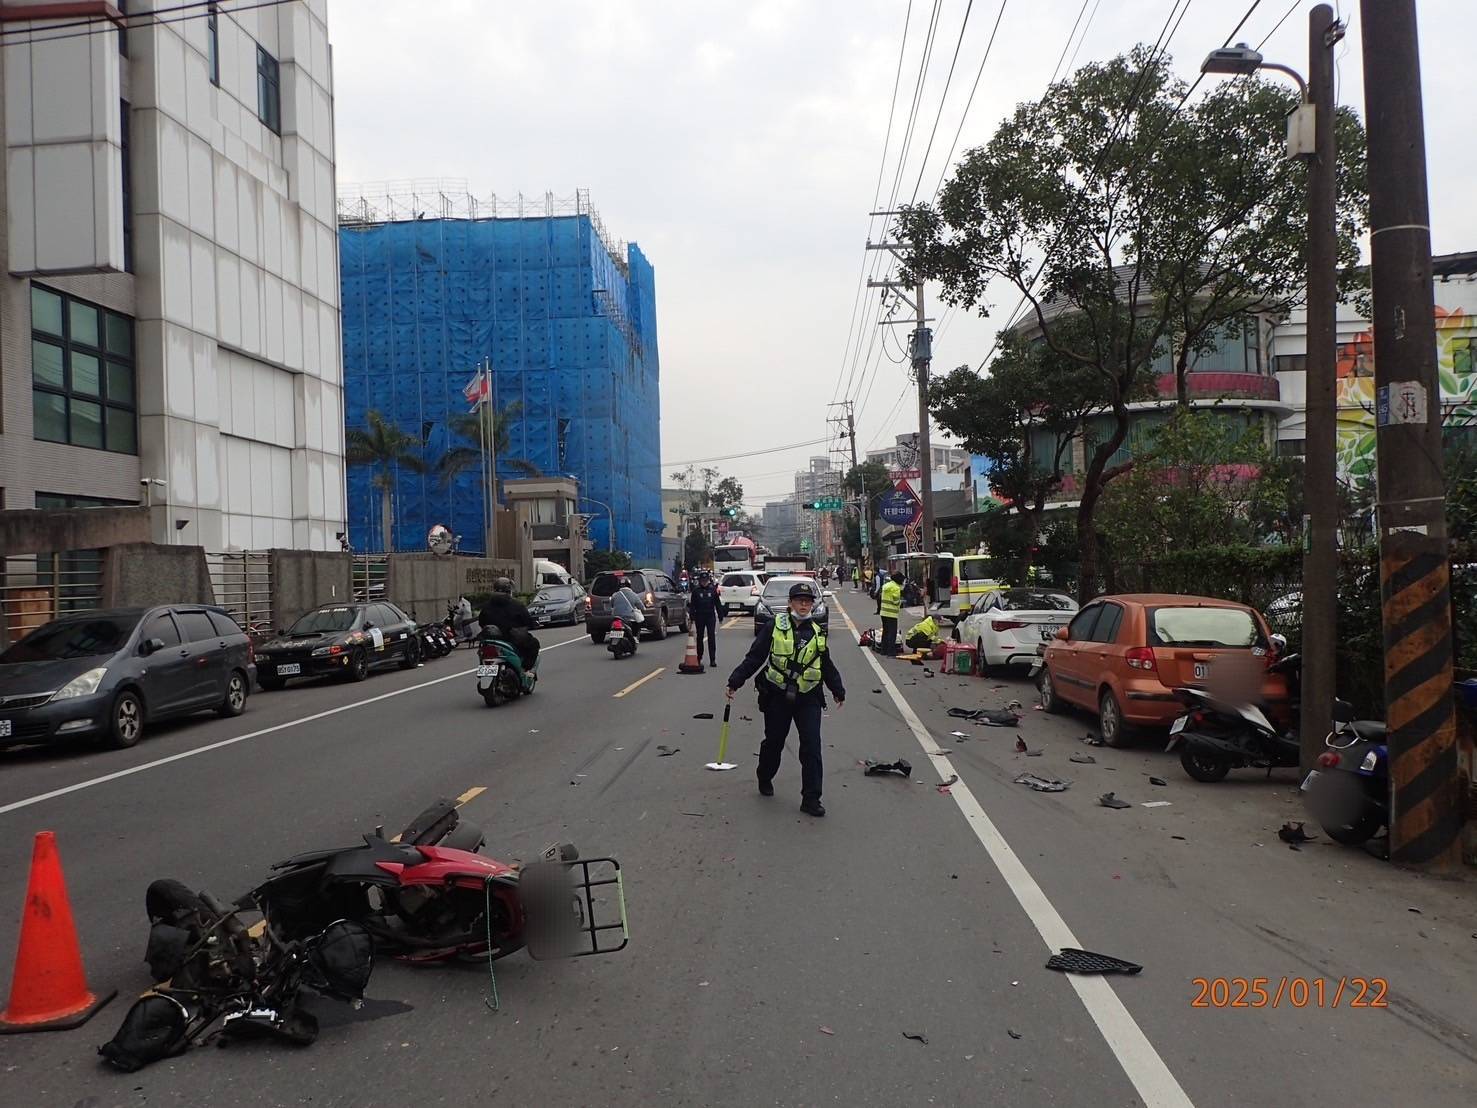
<point x="610" y="515"/>
<point x="1310" y="134"/>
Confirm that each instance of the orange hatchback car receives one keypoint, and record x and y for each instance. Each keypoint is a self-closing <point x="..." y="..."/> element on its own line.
<point x="1123" y="657"/>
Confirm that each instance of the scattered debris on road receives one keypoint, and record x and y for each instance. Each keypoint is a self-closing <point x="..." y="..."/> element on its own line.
<point x="917" y="1038"/>
<point x="1158" y="781"/>
<point x="1042" y="784"/>
<point x="667" y="751"/>
<point x="959" y="734"/>
<point x="1082" y="759"/>
<point x="877" y="769"/>
<point x="1108" y="800"/>
<point x="1158" y="804"/>
<point x="1291" y="832"/>
<point x="1071" y="960"/>
<point x="703" y="715"/>
<point x="826" y="1030"/>
<point x="1022" y="748"/>
<point x="1009" y="716"/>
<point x="1092" y="740"/>
<point x="1012" y="1032"/>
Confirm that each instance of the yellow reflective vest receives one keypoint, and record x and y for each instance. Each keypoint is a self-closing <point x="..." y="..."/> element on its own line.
<point x="892" y="600"/>
<point x="784" y="661"/>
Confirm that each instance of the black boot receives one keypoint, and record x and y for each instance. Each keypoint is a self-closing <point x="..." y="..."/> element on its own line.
<point x="766" y="788"/>
<point x="812" y="807"/>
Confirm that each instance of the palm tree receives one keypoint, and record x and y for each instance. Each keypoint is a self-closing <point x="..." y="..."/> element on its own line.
<point x="382" y="448"/>
<point x="465" y="431"/>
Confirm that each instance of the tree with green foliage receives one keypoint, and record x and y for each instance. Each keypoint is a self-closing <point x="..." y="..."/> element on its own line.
<point x="866" y="482"/>
<point x="598" y="561"/>
<point x="1135" y="226"/>
<point x="384" y="449"/>
<point x="465" y="433"/>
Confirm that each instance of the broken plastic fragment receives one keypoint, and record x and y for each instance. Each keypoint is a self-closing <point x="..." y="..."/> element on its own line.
<point x="1043" y="784"/>
<point x="1071" y="960"/>
<point x="876" y="769"/>
<point x="667" y="751"/>
<point x="917" y="1038"/>
<point x="1082" y="759"/>
<point x="1108" y="800"/>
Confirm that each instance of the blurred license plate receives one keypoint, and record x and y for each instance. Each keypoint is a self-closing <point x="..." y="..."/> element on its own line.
<point x="487" y="671"/>
<point x="4" y="728"/>
<point x="1202" y="670"/>
<point x="1308" y="780"/>
<point x="1049" y="630"/>
<point x="289" y="669"/>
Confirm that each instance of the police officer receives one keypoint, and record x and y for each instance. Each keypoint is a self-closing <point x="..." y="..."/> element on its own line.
<point x="793" y="655"/>
<point x="890" y="605"/>
<point x="703" y="602"/>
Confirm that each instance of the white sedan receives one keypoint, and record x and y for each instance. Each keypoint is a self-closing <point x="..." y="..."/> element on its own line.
<point x="1010" y="624"/>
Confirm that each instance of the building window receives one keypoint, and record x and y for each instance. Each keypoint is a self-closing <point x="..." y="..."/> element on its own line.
<point x="268" y="91"/>
<point x="1464" y="355"/>
<point x="1291" y="363"/>
<point x="1292" y="448"/>
<point x="213" y="43"/>
<point x="82" y="373"/>
<point x="124" y="144"/>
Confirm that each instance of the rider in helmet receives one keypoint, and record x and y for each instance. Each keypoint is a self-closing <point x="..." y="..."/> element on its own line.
<point x="510" y="615"/>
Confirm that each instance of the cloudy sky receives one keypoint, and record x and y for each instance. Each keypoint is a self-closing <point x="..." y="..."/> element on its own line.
<point x="740" y="143"/>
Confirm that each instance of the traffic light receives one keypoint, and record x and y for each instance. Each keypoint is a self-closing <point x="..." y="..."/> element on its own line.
<point x="730" y="513"/>
<point x="825" y="504"/>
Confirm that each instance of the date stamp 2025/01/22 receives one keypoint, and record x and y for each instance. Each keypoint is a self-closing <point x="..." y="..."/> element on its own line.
<point x="1290" y="992"/>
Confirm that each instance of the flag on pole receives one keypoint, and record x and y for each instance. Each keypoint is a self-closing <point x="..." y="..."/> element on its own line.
<point x="477" y="390"/>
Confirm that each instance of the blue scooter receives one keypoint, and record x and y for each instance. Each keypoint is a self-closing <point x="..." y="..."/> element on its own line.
<point x="500" y="673"/>
<point x="1349" y="792"/>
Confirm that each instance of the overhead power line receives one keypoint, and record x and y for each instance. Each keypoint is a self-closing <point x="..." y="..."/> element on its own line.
<point x="102" y="25"/>
<point x="751" y="453"/>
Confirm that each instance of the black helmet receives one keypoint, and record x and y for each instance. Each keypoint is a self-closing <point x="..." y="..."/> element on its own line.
<point x="802" y="588"/>
<point x="502" y="584"/>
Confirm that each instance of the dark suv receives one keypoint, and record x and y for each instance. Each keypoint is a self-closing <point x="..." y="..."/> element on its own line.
<point x="104" y="674"/>
<point x="662" y="602"/>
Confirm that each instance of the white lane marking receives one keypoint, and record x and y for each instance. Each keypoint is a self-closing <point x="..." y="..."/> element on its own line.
<point x="1140" y="1061"/>
<point x="105" y="778"/>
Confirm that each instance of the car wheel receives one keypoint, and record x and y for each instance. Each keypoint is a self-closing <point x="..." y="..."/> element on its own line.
<point x="1046" y="690"/>
<point x="235" y="702"/>
<point x="1114" y="730"/>
<point x="412" y="656"/>
<point x="270" y="684"/>
<point x="686" y="619"/>
<point x="358" y="668"/>
<point x="659" y="631"/>
<point x="597" y="637"/>
<point x="1203" y="767"/>
<point x="984" y="668"/>
<point x="126" y="724"/>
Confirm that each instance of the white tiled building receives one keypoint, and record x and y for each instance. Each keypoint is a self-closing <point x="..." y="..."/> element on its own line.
<point x="171" y="310"/>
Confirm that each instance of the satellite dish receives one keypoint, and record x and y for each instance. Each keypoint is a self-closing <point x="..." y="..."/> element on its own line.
<point x="440" y="540"/>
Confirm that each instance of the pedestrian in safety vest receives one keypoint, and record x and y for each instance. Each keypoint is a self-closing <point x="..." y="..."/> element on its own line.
<point x="856" y="577"/>
<point x="795" y="663"/>
<point x="890" y="605"/>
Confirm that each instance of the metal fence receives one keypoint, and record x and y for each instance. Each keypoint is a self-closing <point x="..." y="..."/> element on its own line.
<point x="242" y="583"/>
<point x="36" y="588"/>
<point x="369" y="576"/>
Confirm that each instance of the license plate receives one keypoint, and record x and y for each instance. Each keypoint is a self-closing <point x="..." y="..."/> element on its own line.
<point x="1202" y="670"/>
<point x="289" y="669"/>
<point x="1178" y="725"/>
<point x="1049" y="630"/>
<point x="5" y="731"/>
<point x="1308" y="780"/>
<point x="487" y="671"/>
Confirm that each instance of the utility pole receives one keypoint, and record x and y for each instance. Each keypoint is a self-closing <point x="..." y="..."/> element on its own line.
<point x="921" y="351"/>
<point x="1415" y="575"/>
<point x="1320" y="473"/>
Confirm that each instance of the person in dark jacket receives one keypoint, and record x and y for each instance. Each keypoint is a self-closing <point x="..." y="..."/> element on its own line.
<point x="703" y="603"/>
<point x="511" y="616"/>
<point x="796" y="664"/>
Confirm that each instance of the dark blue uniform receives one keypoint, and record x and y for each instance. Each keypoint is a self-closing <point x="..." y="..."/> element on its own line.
<point x="703" y="604"/>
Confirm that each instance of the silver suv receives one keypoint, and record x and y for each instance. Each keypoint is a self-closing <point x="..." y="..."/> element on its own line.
<point x="662" y="602"/>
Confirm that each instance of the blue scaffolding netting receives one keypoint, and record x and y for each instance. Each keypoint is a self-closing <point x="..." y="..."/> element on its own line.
<point x="568" y="322"/>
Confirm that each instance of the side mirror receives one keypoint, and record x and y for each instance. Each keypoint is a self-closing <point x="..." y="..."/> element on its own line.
<point x="149" y="646"/>
<point x="1061" y="634"/>
<point x="1343" y="711"/>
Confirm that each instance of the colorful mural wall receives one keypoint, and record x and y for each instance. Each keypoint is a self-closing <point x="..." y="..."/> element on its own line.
<point x="1456" y="350"/>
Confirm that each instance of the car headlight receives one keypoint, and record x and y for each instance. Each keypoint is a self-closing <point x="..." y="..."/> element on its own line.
<point x="327" y="651"/>
<point x="83" y="685"/>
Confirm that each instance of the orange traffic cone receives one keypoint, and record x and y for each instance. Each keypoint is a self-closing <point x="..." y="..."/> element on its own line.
<point x="48" y="991"/>
<point x="693" y="662"/>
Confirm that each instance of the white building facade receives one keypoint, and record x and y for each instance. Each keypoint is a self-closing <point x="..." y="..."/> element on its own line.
<point x="169" y="321"/>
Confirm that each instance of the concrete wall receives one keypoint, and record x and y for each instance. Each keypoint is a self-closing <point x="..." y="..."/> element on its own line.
<point x="143" y="573"/>
<point x="29" y="531"/>
<point x="422" y="584"/>
<point x="477" y="574"/>
<point x="304" y="579"/>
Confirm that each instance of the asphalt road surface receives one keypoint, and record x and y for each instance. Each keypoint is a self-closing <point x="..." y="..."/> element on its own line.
<point x="775" y="959"/>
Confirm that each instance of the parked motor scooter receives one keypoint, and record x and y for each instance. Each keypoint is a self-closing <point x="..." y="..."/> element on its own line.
<point x="1215" y="737"/>
<point x="621" y="642"/>
<point x="1349" y="792"/>
<point x="500" y="673"/>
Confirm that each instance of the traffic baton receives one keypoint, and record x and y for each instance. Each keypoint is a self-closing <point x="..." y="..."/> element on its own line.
<point x="723" y="743"/>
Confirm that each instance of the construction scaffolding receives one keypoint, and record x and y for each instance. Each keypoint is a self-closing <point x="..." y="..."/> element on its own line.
<point x="435" y="280"/>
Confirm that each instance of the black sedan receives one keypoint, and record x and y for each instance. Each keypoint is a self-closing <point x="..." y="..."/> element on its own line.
<point x="776" y="598"/>
<point x="558" y="604"/>
<point x="104" y="674"/>
<point x="340" y="639"/>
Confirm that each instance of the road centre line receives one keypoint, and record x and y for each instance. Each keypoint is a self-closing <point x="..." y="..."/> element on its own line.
<point x="182" y="755"/>
<point x="1141" y="1063"/>
<point x="634" y="685"/>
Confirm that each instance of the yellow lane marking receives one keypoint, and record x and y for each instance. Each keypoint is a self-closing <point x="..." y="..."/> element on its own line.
<point x="256" y="929"/>
<point x="732" y="622"/>
<point x="634" y="685"/>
